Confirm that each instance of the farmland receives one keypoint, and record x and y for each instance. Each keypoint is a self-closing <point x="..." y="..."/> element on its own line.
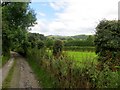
<point x="77" y="56"/>
<point x="81" y="56"/>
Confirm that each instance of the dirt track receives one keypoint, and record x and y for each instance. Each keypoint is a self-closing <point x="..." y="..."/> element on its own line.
<point x="23" y="76"/>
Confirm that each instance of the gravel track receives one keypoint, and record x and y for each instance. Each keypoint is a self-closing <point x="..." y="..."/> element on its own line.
<point x="23" y="76"/>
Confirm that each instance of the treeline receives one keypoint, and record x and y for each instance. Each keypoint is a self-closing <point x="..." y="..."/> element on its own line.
<point x="34" y="40"/>
<point x="80" y="48"/>
<point x="78" y="42"/>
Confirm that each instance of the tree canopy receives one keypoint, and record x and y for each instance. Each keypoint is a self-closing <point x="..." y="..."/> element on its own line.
<point x="16" y="20"/>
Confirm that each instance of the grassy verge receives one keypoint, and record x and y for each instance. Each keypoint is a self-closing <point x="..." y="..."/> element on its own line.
<point x="0" y="61"/>
<point x="6" y="83"/>
<point x="45" y="79"/>
<point x="3" y="60"/>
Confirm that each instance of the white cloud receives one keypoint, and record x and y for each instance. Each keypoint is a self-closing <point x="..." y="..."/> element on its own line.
<point x="41" y="14"/>
<point x="79" y="16"/>
<point x="40" y="27"/>
<point x="57" y="5"/>
<point x="44" y="0"/>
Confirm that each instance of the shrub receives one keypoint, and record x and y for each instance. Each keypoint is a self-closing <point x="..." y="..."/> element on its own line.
<point x="57" y="48"/>
<point x="107" y="78"/>
<point x="40" y="44"/>
<point x="107" y="41"/>
<point x="33" y="44"/>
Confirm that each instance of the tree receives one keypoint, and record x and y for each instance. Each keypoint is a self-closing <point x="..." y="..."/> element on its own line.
<point x="90" y="40"/>
<point x="57" y="48"/>
<point x="49" y="43"/>
<point x="40" y="44"/>
<point x="16" y="18"/>
<point x="36" y="40"/>
<point x="107" y="41"/>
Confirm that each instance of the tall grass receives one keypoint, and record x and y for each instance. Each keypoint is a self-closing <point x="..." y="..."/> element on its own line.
<point x="36" y="59"/>
<point x="65" y="72"/>
<point x="3" y="60"/>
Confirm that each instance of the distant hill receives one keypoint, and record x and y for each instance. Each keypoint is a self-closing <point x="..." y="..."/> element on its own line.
<point x="80" y="37"/>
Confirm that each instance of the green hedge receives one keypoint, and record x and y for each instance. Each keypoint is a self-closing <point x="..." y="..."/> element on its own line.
<point x="77" y="48"/>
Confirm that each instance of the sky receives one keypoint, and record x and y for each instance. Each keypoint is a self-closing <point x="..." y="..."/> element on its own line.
<point x="72" y="17"/>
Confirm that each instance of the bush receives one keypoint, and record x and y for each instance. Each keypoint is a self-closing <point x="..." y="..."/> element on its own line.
<point x="40" y="44"/>
<point x="107" y="41"/>
<point x="57" y="48"/>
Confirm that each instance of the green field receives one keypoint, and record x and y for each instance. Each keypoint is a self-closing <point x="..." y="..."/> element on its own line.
<point x="79" y="56"/>
<point x="82" y="56"/>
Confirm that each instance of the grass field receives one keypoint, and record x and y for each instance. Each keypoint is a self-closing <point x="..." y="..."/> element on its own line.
<point x="81" y="56"/>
